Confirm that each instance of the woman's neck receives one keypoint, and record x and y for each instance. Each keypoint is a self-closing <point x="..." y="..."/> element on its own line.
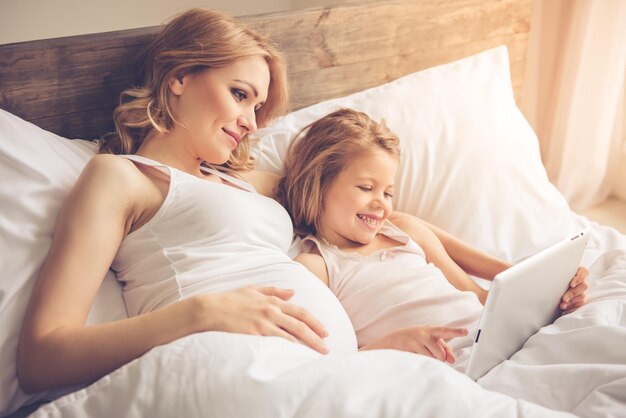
<point x="164" y="148"/>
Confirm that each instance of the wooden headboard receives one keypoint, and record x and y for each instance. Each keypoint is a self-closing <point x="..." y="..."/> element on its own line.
<point x="71" y="85"/>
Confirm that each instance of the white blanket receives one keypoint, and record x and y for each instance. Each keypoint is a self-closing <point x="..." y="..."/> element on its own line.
<point x="231" y="375"/>
<point x="577" y="365"/>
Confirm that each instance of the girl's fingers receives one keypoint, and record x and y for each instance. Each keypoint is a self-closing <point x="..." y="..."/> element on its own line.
<point x="437" y="349"/>
<point x="576" y="302"/>
<point x="575" y="292"/>
<point x="580" y="288"/>
<point x="449" y="356"/>
<point x="579" y="277"/>
<point x="447" y="333"/>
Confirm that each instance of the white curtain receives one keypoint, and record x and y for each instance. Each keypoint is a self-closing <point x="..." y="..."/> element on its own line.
<point x="573" y="94"/>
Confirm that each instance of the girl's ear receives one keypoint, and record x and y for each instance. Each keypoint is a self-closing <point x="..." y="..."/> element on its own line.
<point x="177" y="85"/>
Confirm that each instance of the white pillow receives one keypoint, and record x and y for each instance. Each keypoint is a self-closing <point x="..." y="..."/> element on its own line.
<point x="470" y="161"/>
<point x="37" y="169"/>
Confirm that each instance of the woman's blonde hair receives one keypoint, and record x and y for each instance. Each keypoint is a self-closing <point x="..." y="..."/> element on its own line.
<point x="193" y="41"/>
<point x="318" y="154"/>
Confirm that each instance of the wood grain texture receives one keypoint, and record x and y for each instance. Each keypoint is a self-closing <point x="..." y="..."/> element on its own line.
<point x="71" y="85"/>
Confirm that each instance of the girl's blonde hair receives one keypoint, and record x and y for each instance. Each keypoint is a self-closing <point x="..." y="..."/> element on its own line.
<point x="194" y="41"/>
<point x="318" y="154"/>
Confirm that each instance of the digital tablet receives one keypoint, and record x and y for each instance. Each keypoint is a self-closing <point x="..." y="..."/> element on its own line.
<point x="521" y="300"/>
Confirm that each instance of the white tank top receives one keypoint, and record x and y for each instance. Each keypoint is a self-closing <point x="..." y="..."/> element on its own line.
<point x="395" y="288"/>
<point x="211" y="237"/>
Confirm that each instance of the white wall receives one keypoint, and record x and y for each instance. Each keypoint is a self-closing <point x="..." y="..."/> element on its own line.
<point x="619" y="187"/>
<point x="25" y="20"/>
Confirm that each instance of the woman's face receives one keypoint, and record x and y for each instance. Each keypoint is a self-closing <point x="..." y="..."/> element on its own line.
<point x="358" y="201"/>
<point x="216" y="108"/>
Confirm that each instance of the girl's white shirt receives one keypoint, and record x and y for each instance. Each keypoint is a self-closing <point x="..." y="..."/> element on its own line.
<point x="396" y="287"/>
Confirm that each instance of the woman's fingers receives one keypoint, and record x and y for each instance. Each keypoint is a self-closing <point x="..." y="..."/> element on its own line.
<point x="284" y="294"/>
<point x="294" y="320"/>
<point x="274" y="331"/>
<point x="264" y="311"/>
<point x="301" y="330"/>
<point x="306" y="317"/>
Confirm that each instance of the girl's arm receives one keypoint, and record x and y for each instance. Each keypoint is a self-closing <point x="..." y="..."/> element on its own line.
<point x="56" y="348"/>
<point x="315" y="264"/>
<point x="480" y="264"/>
<point x="436" y="253"/>
<point x="470" y="259"/>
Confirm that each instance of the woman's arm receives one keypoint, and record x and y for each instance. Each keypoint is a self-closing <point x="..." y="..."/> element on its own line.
<point x="57" y="349"/>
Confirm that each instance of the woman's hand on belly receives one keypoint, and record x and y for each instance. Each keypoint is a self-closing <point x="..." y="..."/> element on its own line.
<point x="259" y="311"/>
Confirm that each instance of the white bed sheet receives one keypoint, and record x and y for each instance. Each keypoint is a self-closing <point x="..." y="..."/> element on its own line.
<point x="575" y="366"/>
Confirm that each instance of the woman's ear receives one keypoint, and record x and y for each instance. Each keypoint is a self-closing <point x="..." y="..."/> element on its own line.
<point x="176" y="85"/>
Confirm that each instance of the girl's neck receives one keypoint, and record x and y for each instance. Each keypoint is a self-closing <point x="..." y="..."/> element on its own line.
<point x="379" y="242"/>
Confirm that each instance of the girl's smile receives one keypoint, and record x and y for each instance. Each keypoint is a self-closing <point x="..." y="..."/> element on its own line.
<point x="358" y="201"/>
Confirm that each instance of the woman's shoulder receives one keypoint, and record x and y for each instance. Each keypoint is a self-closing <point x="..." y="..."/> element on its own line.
<point x="111" y="163"/>
<point x="263" y="181"/>
<point x="112" y="172"/>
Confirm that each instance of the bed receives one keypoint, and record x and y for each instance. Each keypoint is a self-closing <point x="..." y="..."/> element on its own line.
<point x="446" y="77"/>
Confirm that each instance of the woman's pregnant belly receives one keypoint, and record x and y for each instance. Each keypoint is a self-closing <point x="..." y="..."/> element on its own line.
<point x="311" y="294"/>
<point x="235" y="273"/>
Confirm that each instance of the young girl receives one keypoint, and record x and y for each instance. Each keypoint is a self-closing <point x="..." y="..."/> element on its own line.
<point x="338" y="187"/>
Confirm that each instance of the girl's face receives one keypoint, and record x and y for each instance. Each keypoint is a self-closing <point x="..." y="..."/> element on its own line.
<point x="216" y="108"/>
<point x="359" y="200"/>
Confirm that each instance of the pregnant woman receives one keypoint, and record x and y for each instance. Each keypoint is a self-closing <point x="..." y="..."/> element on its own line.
<point x="174" y="206"/>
